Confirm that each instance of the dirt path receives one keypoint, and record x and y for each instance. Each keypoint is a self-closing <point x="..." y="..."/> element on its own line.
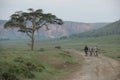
<point x="96" y="68"/>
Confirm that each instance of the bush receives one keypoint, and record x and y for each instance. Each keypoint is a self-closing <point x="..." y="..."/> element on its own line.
<point x="26" y="67"/>
<point x="58" y="47"/>
<point x="20" y="67"/>
<point x="41" y="49"/>
<point x="19" y="59"/>
<point x="8" y="76"/>
<point x="40" y="68"/>
<point x="28" y="74"/>
<point x="30" y="66"/>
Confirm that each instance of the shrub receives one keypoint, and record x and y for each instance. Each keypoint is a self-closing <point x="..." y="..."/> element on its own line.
<point x="28" y="74"/>
<point x="19" y="59"/>
<point x="58" y="47"/>
<point x="8" y="76"/>
<point x="20" y="67"/>
<point x="26" y="67"/>
<point x="41" y="49"/>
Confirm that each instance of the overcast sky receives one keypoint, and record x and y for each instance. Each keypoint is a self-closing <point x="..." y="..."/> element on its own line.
<point x="68" y="10"/>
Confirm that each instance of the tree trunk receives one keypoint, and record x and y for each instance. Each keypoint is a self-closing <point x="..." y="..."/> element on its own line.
<point x="32" y="42"/>
<point x="32" y="38"/>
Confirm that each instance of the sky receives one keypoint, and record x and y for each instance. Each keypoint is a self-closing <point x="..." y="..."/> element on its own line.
<point x="68" y="10"/>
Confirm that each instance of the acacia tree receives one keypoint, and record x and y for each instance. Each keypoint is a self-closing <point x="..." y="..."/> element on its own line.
<point x="31" y="21"/>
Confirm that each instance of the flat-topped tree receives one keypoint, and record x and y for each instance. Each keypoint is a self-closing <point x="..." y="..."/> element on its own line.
<point x="31" y="21"/>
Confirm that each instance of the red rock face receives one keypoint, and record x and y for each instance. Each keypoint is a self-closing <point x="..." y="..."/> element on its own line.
<point x="54" y="31"/>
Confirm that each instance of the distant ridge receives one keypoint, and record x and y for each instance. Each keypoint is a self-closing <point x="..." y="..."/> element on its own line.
<point x="55" y="31"/>
<point x="110" y="29"/>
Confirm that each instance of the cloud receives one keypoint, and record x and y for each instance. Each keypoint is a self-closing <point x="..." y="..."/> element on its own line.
<point x="76" y="10"/>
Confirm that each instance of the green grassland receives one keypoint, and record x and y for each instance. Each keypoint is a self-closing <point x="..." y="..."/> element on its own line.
<point x="18" y="62"/>
<point x="108" y="45"/>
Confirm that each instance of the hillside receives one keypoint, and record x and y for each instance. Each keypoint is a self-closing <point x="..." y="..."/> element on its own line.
<point x="110" y="29"/>
<point x="68" y="28"/>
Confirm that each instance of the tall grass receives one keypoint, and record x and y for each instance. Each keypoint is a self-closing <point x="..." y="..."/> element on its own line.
<point x="18" y="62"/>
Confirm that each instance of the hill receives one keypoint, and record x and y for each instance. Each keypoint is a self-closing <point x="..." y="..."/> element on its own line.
<point x="110" y="29"/>
<point x="56" y="31"/>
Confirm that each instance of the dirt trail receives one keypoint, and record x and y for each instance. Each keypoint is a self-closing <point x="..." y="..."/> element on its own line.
<point x="96" y="68"/>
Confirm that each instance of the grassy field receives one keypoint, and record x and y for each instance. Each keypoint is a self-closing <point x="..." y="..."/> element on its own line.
<point x="108" y="45"/>
<point x="18" y="62"/>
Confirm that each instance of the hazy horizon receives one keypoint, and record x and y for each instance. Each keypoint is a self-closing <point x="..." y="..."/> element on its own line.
<point x="92" y="11"/>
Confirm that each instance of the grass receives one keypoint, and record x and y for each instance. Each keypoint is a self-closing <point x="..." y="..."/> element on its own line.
<point x="46" y="61"/>
<point x="18" y="62"/>
<point x="108" y="45"/>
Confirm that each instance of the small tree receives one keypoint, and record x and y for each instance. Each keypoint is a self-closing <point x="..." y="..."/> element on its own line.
<point x="29" y="22"/>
